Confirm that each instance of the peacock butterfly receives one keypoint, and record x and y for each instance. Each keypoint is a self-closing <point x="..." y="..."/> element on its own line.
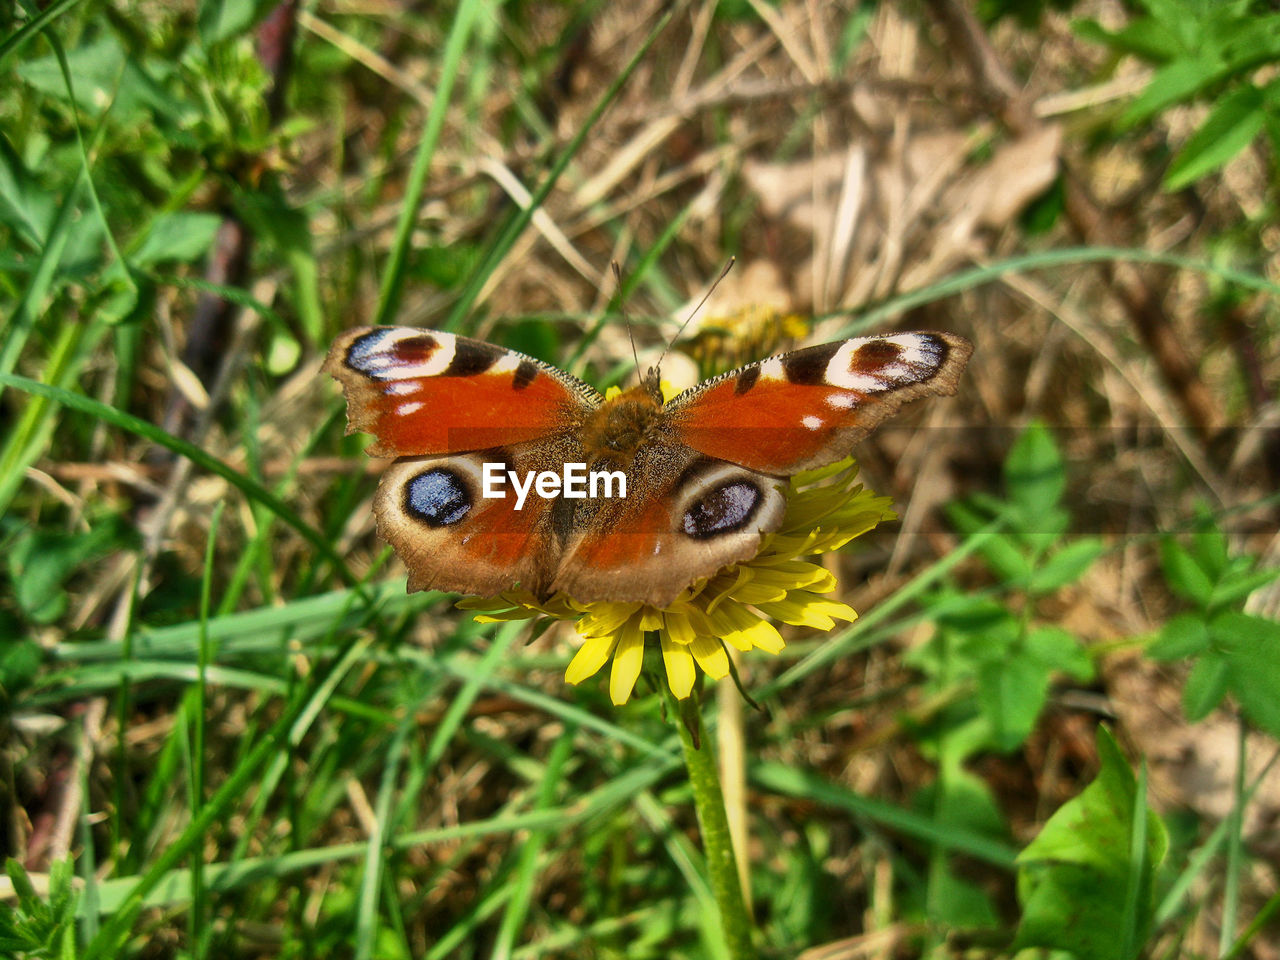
<point x="471" y="425"/>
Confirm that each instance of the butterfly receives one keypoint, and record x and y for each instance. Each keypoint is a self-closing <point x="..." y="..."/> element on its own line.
<point x="686" y="487"/>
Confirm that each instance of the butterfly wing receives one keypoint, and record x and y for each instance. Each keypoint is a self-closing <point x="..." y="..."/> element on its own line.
<point x="450" y="535"/>
<point x="685" y="516"/>
<point x="808" y="408"/>
<point x="705" y="489"/>
<point x="422" y="392"/>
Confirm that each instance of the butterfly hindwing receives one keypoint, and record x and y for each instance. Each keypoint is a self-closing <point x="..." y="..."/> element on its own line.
<point x="808" y="408"/>
<point x="685" y="516"/>
<point x="423" y="392"/>
<point x="451" y="536"/>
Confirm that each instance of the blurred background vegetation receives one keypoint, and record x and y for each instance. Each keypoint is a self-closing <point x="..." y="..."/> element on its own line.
<point x="225" y="730"/>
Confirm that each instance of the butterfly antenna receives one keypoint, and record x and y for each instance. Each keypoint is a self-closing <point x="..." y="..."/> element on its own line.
<point x="617" y="276"/>
<point x="706" y="296"/>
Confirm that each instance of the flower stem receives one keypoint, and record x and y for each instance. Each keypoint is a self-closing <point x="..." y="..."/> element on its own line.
<point x="717" y="846"/>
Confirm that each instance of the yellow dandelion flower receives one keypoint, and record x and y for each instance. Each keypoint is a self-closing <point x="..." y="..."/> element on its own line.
<point x="826" y="508"/>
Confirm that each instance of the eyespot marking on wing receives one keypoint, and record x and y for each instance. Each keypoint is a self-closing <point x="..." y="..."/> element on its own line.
<point x="439" y="497"/>
<point x="883" y="363"/>
<point x="726" y="508"/>
<point x="401" y="353"/>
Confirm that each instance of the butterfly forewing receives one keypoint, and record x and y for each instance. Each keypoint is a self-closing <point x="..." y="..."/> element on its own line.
<point x="428" y="392"/>
<point x="808" y="408"/>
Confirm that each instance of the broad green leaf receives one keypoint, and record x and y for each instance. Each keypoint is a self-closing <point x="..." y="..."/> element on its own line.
<point x="1146" y="38"/>
<point x="959" y="903"/>
<point x="1247" y="40"/>
<point x="1061" y="650"/>
<point x="41" y="562"/>
<point x="1206" y="686"/>
<point x="1012" y="693"/>
<point x="1076" y="877"/>
<point x="181" y="236"/>
<point x="1209" y="545"/>
<point x="1006" y="561"/>
<point x="220" y="20"/>
<point x="1252" y="646"/>
<point x="1177" y="81"/>
<point x="1235" y="121"/>
<point x="1066" y="565"/>
<point x="95" y="70"/>
<point x="1033" y="472"/>
<point x="1184" y="575"/>
<point x="25" y="207"/>
<point x="1186" y="635"/>
<point x="447" y="267"/>
<point x="1237" y="585"/>
<point x="19" y="657"/>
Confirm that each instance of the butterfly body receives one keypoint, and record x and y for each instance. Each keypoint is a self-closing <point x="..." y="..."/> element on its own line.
<point x="704" y="473"/>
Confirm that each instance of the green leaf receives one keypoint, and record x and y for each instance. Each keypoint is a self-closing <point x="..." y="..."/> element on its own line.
<point x="25" y="206"/>
<point x="1173" y="83"/>
<point x="1208" y="545"/>
<point x="1005" y="559"/>
<point x="970" y="515"/>
<point x="1234" y="122"/>
<point x="1012" y="693"/>
<point x="1252" y="646"/>
<point x="1060" y="650"/>
<point x="220" y="20"/>
<point x="39" y="927"/>
<point x="95" y="68"/>
<point x="1186" y="635"/>
<point x="1206" y="686"/>
<point x="1066" y="565"/>
<point x="1076" y="878"/>
<point x="40" y="563"/>
<point x="181" y="236"/>
<point x="19" y="658"/>
<point x="1033" y="472"/>
<point x="1238" y="584"/>
<point x="1145" y="38"/>
<point x="1248" y="40"/>
<point x="958" y="902"/>
<point x="1184" y="575"/>
<point x="448" y="266"/>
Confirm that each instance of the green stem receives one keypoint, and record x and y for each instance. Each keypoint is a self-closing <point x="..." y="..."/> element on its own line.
<point x="722" y="868"/>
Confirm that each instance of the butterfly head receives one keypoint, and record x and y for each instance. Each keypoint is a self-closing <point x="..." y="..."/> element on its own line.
<point x="623" y="423"/>
<point x="652" y="385"/>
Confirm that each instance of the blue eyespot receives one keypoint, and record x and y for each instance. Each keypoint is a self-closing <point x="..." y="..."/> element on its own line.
<point x="727" y="508"/>
<point x="438" y="497"/>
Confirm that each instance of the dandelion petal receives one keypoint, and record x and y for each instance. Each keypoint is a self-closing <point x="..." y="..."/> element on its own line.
<point x="626" y="663"/>
<point x="677" y="627"/>
<point x="591" y="656"/>
<point x="679" y="663"/>
<point x="711" y="656"/>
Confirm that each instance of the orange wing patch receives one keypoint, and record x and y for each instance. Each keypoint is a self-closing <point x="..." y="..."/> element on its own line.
<point x="425" y="392"/>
